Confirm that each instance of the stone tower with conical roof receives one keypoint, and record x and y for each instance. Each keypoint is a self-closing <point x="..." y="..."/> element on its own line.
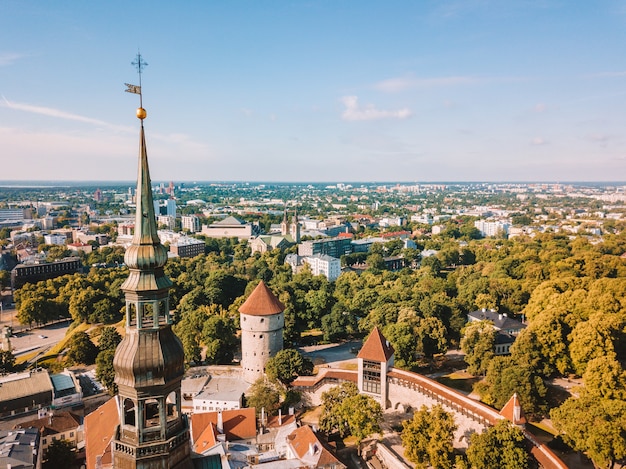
<point x="262" y="322"/>
<point x="149" y="362"/>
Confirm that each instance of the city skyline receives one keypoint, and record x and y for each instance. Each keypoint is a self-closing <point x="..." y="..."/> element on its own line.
<point x="315" y="91"/>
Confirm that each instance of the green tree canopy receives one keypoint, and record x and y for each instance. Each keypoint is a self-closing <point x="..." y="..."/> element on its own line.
<point x="287" y="365"/>
<point x="263" y="394"/>
<point x="60" y="455"/>
<point x="502" y="446"/>
<point x="81" y="350"/>
<point x="477" y="343"/>
<point x="428" y="438"/>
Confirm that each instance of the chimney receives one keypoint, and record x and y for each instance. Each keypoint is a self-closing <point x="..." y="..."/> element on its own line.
<point x="220" y="422"/>
<point x="517" y="409"/>
<point x="280" y="416"/>
<point x="499" y="317"/>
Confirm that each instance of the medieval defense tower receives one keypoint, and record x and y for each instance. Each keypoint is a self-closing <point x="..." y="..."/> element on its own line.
<point x="262" y="321"/>
<point x="149" y="362"/>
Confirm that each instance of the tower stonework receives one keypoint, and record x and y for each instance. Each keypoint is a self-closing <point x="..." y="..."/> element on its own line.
<point x="149" y="362"/>
<point x="262" y="321"/>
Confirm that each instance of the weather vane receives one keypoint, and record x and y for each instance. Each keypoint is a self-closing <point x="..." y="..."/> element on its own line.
<point x="139" y="64"/>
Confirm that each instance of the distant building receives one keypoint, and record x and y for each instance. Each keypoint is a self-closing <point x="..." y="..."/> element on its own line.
<point x="170" y="207"/>
<point x="167" y="221"/>
<point x="19" y="449"/>
<point x="507" y="328"/>
<point x="322" y="264"/>
<point x="55" y="426"/>
<point x="190" y="223"/>
<point x="32" y="273"/>
<point x="230" y="227"/>
<point x="25" y="392"/>
<point x="55" y="239"/>
<point x="220" y="394"/>
<point x="334" y="247"/>
<point x="492" y="228"/>
<point x="187" y="247"/>
<point x="17" y="214"/>
<point x="267" y="243"/>
<point x="66" y="389"/>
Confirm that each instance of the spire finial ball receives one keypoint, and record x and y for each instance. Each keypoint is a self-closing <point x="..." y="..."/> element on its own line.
<point x="141" y="113"/>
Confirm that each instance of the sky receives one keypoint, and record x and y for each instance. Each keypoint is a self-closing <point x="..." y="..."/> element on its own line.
<point x="303" y="91"/>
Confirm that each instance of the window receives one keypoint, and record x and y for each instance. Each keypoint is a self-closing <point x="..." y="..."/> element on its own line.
<point x="371" y="377"/>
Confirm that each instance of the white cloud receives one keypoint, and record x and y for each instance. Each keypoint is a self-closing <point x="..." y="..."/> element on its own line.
<point x="394" y="85"/>
<point x="355" y="113"/>
<point x="537" y="141"/>
<point x="9" y="58"/>
<point x="58" y="113"/>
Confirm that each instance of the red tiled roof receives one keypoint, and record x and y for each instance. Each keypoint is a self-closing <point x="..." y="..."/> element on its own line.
<point x="238" y="424"/>
<point x="51" y="425"/>
<point x="509" y="411"/>
<point x="99" y="430"/>
<point x="376" y="348"/>
<point x="308" y="447"/>
<point x="262" y="302"/>
<point x="207" y="440"/>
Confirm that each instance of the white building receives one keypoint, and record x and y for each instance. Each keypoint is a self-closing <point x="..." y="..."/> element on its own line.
<point x="167" y="220"/>
<point x="491" y="228"/>
<point x="190" y="223"/>
<point x="322" y="264"/>
<point x="220" y="394"/>
<point x="55" y="238"/>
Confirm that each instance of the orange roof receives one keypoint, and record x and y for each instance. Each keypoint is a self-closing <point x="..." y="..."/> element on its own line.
<point x="376" y="348"/>
<point x="308" y="447"/>
<point x="58" y="422"/>
<point x="513" y="411"/>
<point x="285" y="420"/>
<point x="99" y="430"/>
<point x="238" y="424"/>
<point x="262" y="302"/>
<point x="207" y="440"/>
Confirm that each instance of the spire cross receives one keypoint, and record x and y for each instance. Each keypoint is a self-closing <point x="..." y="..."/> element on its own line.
<point x="139" y="64"/>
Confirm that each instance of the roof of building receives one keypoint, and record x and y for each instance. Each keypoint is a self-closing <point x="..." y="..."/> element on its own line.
<point x="58" y="422"/>
<point x="17" y="385"/>
<point x="99" y="430"/>
<point x="207" y="439"/>
<point x="513" y="411"/>
<point x="309" y="449"/>
<point x="238" y="424"/>
<point x="229" y="221"/>
<point x="16" y="447"/>
<point x="262" y="302"/>
<point x="62" y="382"/>
<point x="500" y="321"/>
<point x="223" y="388"/>
<point x="376" y="348"/>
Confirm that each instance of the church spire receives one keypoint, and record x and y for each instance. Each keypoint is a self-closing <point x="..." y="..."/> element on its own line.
<point x="149" y="362"/>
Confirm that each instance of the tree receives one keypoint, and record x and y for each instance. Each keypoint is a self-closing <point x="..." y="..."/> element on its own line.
<point x="105" y="373"/>
<point x="218" y="334"/>
<point x="505" y="377"/>
<point x="109" y="339"/>
<point x="81" y="350"/>
<point x="477" y="344"/>
<point x="428" y="438"/>
<point x="7" y="361"/>
<point x="287" y="365"/>
<point x="263" y="395"/>
<point x="605" y="378"/>
<point x="595" y="426"/>
<point x="347" y="412"/>
<point x="60" y="455"/>
<point x="502" y="446"/>
<point x="363" y="415"/>
<point x="331" y="419"/>
<point x="431" y="337"/>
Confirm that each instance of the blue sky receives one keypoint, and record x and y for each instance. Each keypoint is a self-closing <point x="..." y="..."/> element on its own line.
<point x="467" y="90"/>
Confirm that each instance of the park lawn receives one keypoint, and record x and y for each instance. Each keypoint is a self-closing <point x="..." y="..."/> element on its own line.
<point x="459" y="380"/>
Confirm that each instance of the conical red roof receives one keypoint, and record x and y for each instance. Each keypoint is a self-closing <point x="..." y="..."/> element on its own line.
<point x="376" y="348"/>
<point x="513" y="411"/>
<point x="262" y="302"/>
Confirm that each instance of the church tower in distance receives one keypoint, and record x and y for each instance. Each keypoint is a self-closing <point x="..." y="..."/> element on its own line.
<point x="149" y="362"/>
